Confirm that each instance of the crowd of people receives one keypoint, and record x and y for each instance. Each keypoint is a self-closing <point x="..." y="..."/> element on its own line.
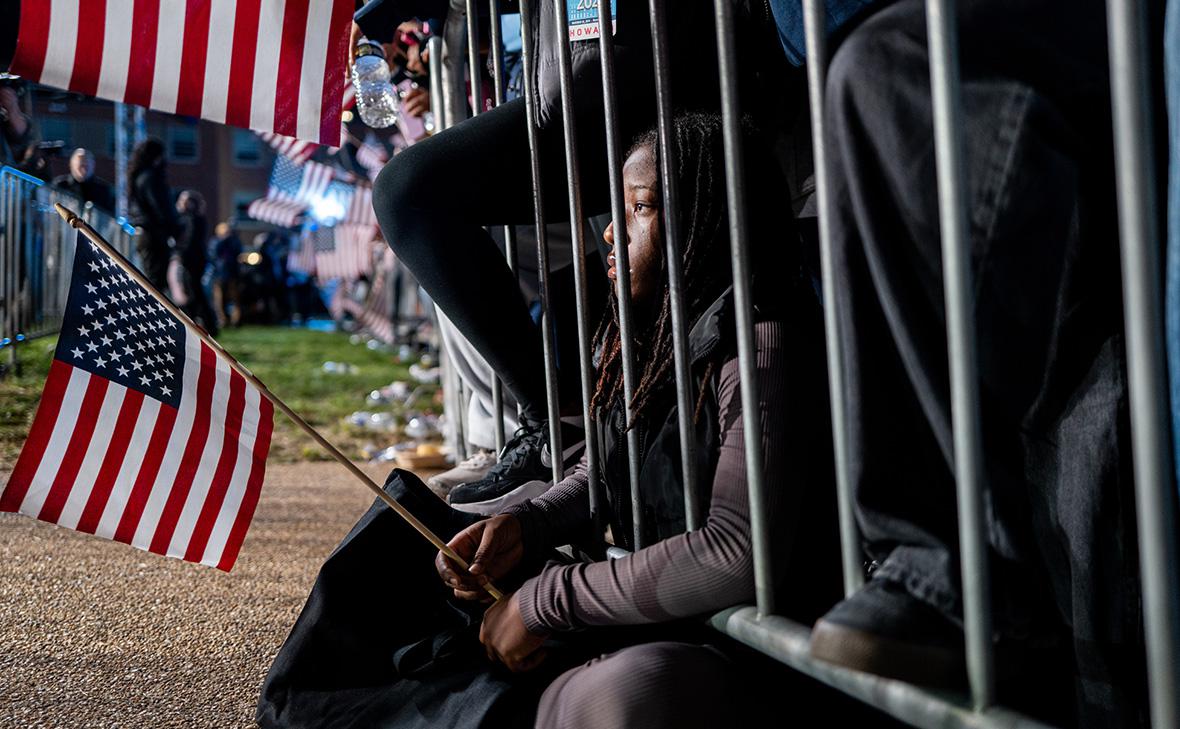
<point x="563" y="647"/>
<point x="203" y="273"/>
<point x="593" y="642"/>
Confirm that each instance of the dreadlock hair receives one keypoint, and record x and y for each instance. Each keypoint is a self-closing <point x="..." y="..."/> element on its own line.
<point x="704" y="231"/>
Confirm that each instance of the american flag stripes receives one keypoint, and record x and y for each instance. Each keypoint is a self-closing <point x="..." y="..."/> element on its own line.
<point x="300" y="150"/>
<point x="296" y="150"/>
<point x="293" y="187"/>
<point x="375" y="316"/>
<point x="273" y="65"/>
<point x="344" y="249"/>
<point x="355" y="237"/>
<point x="143" y="435"/>
<point x="372" y="155"/>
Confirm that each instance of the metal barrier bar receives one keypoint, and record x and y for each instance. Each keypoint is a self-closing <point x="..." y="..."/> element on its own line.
<point x="35" y="250"/>
<point x="788" y="642"/>
<point x="474" y="78"/>
<point x="438" y="92"/>
<point x="437" y="104"/>
<point x="614" y="157"/>
<point x="499" y="94"/>
<point x="497" y="43"/>
<point x="683" y="367"/>
<point x="16" y="194"/>
<point x="817" y="69"/>
<point x="476" y="108"/>
<point x="744" y="305"/>
<point x="952" y="198"/>
<point x="8" y="266"/>
<point x="528" y="57"/>
<point x="578" y="231"/>
<point x="1155" y="497"/>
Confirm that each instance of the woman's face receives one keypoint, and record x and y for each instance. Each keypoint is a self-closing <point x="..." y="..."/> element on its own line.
<point x="644" y="235"/>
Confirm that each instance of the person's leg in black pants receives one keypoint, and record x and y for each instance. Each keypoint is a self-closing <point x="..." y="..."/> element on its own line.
<point x="434" y="201"/>
<point x="152" y="246"/>
<point x="1045" y="287"/>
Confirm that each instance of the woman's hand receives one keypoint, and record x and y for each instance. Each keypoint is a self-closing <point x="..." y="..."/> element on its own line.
<point x="507" y="640"/>
<point x="416" y="102"/>
<point x="492" y="547"/>
<point x="355" y="36"/>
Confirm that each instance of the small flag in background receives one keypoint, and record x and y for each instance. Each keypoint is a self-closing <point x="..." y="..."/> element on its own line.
<point x="269" y="65"/>
<point x="353" y="238"/>
<point x="300" y="150"/>
<point x="293" y="187"/>
<point x="143" y="435"/>
<point x="296" y="150"/>
<point x="372" y="155"/>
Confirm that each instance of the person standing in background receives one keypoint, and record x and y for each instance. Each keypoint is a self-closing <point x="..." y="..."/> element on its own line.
<point x="190" y="246"/>
<point x="150" y="208"/>
<point x="82" y="183"/>
<point x="226" y="249"/>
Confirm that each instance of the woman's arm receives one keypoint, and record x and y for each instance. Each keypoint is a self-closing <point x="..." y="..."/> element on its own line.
<point x="559" y="516"/>
<point x="698" y="572"/>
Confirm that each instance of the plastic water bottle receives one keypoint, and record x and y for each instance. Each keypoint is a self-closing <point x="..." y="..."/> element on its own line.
<point x="376" y="99"/>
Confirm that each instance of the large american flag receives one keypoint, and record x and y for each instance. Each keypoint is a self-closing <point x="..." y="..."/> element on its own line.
<point x="293" y="187"/>
<point x="270" y="65"/>
<point x="143" y="435"/>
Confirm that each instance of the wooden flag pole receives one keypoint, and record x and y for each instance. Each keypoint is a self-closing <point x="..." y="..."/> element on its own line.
<point x="81" y="225"/>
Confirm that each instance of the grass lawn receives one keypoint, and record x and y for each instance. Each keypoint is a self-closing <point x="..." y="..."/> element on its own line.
<point x="289" y="361"/>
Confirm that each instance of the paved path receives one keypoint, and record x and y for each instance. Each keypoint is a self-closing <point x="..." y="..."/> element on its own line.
<point x="97" y="634"/>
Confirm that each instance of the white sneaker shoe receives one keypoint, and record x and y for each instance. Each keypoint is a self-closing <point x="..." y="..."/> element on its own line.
<point x="472" y="469"/>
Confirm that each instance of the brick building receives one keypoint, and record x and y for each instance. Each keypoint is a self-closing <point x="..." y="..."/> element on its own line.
<point x="229" y="166"/>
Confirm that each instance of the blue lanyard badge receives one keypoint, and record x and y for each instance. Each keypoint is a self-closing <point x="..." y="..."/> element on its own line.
<point x="583" y="15"/>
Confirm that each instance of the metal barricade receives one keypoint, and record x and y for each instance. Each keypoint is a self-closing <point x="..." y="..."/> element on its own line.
<point x="758" y="626"/>
<point x="36" y="256"/>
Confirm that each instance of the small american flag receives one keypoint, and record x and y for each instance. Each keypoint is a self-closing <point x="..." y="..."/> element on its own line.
<point x="293" y="187"/>
<point x="143" y="435"/>
<point x="296" y="150"/>
<point x="375" y="315"/>
<point x="355" y="238"/>
<point x="372" y="155"/>
<point x="272" y="65"/>
<point x="300" y="150"/>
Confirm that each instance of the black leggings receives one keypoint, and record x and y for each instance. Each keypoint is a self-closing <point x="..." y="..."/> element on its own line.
<point x="433" y="201"/>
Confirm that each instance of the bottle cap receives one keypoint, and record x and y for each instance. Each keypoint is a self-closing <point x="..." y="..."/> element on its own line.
<point x="369" y="48"/>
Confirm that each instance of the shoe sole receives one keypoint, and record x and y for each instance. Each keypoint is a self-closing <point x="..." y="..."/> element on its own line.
<point x="886" y="657"/>
<point x="524" y="492"/>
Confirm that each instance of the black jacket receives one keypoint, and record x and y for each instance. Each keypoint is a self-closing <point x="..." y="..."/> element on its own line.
<point x="808" y="431"/>
<point x="149" y="203"/>
<point x="94" y="190"/>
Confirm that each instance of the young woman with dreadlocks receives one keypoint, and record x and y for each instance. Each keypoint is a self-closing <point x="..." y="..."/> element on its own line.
<point x="640" y="665"/>
<point x="680" y="574"/>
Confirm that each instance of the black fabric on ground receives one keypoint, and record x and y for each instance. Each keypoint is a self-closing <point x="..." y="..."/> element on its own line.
<point x="1048" y="312"/>
<point x="381" y="643"/>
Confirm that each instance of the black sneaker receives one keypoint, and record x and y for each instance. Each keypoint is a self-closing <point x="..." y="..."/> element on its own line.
<point x="883" y="630"/>
<point x="524" y="458"/>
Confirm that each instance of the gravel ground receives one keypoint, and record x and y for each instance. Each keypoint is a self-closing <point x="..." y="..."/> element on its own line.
<point x="97" y="634"/>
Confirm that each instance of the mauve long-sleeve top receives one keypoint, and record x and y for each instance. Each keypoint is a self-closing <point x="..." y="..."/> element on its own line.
<point x="702" y="571"/>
